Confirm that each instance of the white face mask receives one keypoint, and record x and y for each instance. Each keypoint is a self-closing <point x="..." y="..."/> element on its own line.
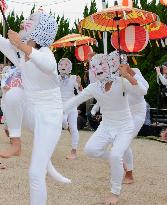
<point x="65" y="66"/>
<point x="100" y="67"/>
<point x="114" y="61"/>
<point x="106" y="67"/>
<point x="29" y="25"/>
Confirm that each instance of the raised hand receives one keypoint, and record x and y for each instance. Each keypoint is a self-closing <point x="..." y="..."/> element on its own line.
<point x="14" y="38"/>
<point x="158" y="70"/>
<point x="123" y="69"/>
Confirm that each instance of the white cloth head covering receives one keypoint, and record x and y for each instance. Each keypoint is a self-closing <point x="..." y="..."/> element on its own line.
<point x="45" y="32"/>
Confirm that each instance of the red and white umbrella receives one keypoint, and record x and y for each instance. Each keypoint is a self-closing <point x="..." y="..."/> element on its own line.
<point x="73" y="39"/>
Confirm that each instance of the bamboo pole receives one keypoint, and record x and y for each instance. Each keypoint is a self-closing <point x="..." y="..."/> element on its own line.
<point x="4" y="35"/>
<point x="104" y="33"/>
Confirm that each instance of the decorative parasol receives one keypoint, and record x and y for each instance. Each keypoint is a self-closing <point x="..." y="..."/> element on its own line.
<point x="116" y="18"/>
<point x="157" y="31"/>
<point x="73" y="40"/>
<point x="109" y="19"/>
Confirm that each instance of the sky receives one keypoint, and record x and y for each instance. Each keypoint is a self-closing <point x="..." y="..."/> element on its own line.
<point x="72" y="9"/>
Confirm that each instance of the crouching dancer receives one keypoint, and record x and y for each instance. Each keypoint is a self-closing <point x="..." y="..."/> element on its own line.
<point x="37" y="107"/>
<point x="116" y="127"/>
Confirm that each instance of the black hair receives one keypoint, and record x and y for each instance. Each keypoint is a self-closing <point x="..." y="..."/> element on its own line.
<point x="37" y="46"/>
<point x="8" y="61"/>
<point x="164" y="64"/>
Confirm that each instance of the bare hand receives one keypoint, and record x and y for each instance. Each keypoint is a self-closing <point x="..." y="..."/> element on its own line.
<point x="6" y="88"/>
<point x="78" y="79"/>
<point x="1" y="67"/>
<point x="124" y="72"/>
<point x="98" y="118"/>
<point x="123" y="68"/>
<point x="14" y="38"/>
<point x="79" y="112"/>
<point x="158" y="70"/>
<point x="130" y="71"/>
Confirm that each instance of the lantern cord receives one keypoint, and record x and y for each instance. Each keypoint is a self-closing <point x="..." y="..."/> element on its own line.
<point x="4" y="17"/>
<point x="117" y="19"/>
<point x="7" y="24"/>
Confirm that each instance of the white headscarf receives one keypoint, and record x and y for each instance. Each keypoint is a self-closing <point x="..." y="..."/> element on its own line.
<point x="43" y="30"/>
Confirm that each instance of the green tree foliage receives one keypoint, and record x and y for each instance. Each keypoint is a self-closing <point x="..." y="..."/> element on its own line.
<point x="78" y="67"/>
<point x="152" y="55"/>
<point x="86" y="12"/>
<point x="93" y="7"/>
<point x="15" y="21"/>
<point x="33" y="9"/>
<point x="63" y="30"/>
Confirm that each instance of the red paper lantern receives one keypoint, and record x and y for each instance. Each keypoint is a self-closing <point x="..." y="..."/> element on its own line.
<point x="164" y="2"/>
<point x="132" y="39"/>
<point x="128" y="3"/>
<point x="81" y="52"/>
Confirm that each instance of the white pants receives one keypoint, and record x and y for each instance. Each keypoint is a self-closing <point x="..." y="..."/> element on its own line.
<point x="70" y="120"/>
<point x="46" y="126"/>
<point x="120" y="137"/>
<point x="138" y="118"/>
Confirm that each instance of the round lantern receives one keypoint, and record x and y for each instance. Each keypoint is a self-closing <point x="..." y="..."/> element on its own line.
<point x="132" y="39"/>
<point x="128" y="3"/>
<point x="164" y="2"/>
<point x="166" y="41"/>
<point x="81" y="52"/>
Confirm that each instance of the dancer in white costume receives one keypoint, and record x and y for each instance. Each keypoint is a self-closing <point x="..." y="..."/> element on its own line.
<point x="117" y="125"/>
<point x="68" y="83"/>
<point x="11" y="78"/>
<point x="39" y="106"/>
<point x="138" y="110"/>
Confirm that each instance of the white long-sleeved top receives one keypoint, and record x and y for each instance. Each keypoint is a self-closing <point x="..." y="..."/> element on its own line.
<point x="163" y="79"/>
<point x="134" y="99"/>
<point x="95" y="109"/>
<point x="67" y="87"/>
<point x="39" y="72"/>
<point x="113" y="105"/>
